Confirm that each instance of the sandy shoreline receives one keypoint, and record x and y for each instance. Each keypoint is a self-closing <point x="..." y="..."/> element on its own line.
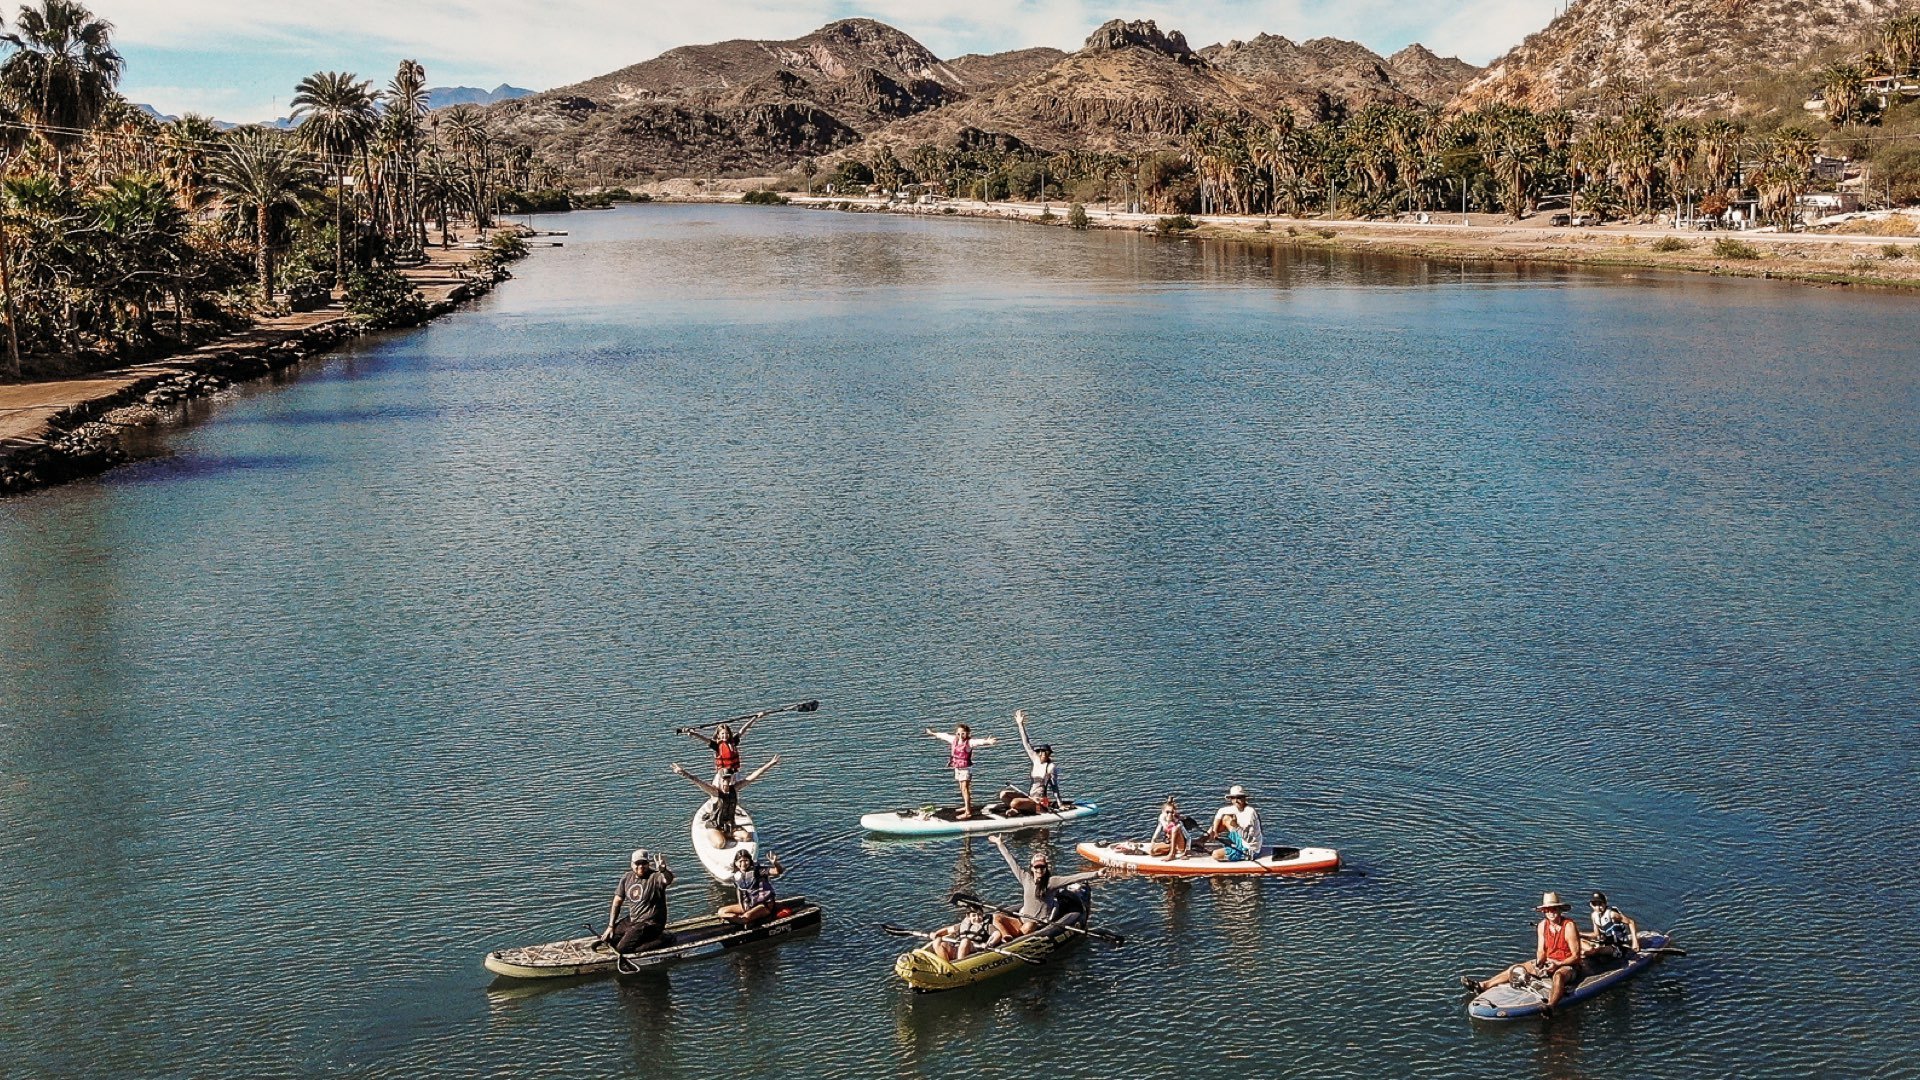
<point x="59" y="430"/>
<point x="1813" y="258"/>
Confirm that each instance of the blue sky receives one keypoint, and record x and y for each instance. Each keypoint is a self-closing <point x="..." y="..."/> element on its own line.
<point x="238" y="59"/>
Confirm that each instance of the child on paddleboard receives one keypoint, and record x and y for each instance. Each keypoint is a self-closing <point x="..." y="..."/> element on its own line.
<point x="960" y="747"/>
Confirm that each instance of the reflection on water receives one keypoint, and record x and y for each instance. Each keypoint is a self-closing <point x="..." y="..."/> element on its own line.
<point x="1498" y="579"/>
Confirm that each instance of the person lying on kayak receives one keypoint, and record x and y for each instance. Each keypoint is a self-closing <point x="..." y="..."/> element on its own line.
<point x="1556" y="954"/>
<point x="642" y="892"/>
<point x="753" y="889"/>
<point x="1174" y="827"/>
<point x="972" y="933"/>
<point x="1613" y="929"/>
<point x="725" y="792"/>
<point x="1043" y="776"/>
<point x="1040" y="891"/>
<point x="1237" y="826"/>
<point x="960" y="747"/>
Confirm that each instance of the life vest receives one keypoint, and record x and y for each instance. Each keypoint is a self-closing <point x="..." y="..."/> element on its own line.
<point x="961" y="756"/>
<point x="1557" y="949"/>
<point x="726" y="757"/>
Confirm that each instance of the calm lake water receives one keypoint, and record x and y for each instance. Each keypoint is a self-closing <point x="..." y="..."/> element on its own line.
<point x="1499" y="580"/>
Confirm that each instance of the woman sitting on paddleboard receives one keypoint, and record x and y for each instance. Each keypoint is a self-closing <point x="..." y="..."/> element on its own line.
<point x="753" y="888"/>
<point x="725" y="791"/>
<point x="1043" y="787"/>
<point x="960" y="747"/>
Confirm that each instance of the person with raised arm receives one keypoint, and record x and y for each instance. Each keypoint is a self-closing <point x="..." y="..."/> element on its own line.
<point x="1040" y="891"/>
<point x="725" y="792"/>
<point x="1043" y="775"/>
<point x="642" y="892"/>
<point x="960" y="747"/>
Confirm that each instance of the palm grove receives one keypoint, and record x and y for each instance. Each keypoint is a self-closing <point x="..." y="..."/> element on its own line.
<point x="122" y="236"/>
<point x="1634" y="157"/>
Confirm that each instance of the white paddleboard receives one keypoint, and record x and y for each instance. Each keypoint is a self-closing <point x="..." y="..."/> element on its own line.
<point x="719" y="860"/>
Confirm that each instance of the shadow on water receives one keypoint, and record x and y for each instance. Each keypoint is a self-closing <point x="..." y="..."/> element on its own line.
<point x="162" y="470"/>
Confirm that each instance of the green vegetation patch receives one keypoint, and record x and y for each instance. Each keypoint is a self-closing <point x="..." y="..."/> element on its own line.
<point x="1671" y="243"/>
<point x="1727" y="247"/>
<point x="1077" y="218"/>
<point x="1178" y="223"/>
<point x="764" y="198"/>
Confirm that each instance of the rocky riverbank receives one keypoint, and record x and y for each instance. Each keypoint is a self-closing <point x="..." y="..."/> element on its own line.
<point x="55" y="432"/>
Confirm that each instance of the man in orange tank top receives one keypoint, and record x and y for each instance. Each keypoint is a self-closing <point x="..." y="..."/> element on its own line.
<point x="1556" y="954"/>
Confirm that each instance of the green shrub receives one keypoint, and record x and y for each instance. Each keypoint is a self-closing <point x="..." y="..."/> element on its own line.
<point x="1671" y="243"/>
<point x="1077" y="217"/>
<point x="506" y="247"/>
<point x="1728" y="248"/>
<point x="1178" y="223"/>
<point x="540" y="201"/>
<point x="1894" y="251"/>
<point x="764" y="198"/>
<point x="1047" y="214"/>
<point x="381" y="299"/>
<point x="1325" y="234"/>
<point x="641" y="196"/>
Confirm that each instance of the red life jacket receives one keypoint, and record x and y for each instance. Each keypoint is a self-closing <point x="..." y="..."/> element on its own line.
<point x="1557" y="949"/>
<point x="726" y="757"/>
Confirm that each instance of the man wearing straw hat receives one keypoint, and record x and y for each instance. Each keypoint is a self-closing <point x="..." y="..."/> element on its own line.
<point x="1556" y="953"/>
<point x="1237" y="826"/>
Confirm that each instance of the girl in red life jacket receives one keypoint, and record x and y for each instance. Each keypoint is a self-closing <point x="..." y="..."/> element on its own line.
<point x="725" y="744"/>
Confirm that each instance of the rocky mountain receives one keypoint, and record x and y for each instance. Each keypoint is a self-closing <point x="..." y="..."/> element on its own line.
<point x="440" y="97"/>
<point x="735" y="105"/>
<point x="1131" y="87"/>
<point x="1324" y="77"/>
<point x="1697" y="50"/>
<point x="977" y="73"/>
<point x="745" y="107"/>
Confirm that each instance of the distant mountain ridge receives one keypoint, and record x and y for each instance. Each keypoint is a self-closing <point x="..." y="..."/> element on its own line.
<point x="749" y="105"/>
<point x="440" y="97"/>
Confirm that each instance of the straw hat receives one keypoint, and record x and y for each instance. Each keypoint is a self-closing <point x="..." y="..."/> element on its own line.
<point x="1552" y="902"/>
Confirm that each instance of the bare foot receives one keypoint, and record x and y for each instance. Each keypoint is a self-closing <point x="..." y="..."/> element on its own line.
<point x="964" y="813"/>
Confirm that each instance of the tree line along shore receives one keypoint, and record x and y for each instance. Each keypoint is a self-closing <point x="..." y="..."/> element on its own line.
<point x="125" y="239"/>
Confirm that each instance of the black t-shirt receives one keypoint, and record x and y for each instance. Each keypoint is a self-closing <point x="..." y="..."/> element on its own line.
<point x="646" y="897"/>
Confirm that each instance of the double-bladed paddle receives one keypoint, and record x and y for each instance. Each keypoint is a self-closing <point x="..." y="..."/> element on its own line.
<point x="965" y="899"/>
<point x="798" y="706"/>
<point x="901" y="931"/>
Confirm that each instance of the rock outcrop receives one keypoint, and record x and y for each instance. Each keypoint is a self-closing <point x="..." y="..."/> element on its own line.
<point x="1695" y="51"/>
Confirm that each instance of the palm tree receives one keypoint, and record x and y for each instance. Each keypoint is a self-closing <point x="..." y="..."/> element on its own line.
<point x="62" y="72"/>
<point x="1901" y="38"/>
<point x="465" y="128"/>
<point x="336" y="117"/>
<point x="187" y="142"/>
<point x="260" y="171"/>
<point x="1843" y="90"/>
<point x="405" y="102"/>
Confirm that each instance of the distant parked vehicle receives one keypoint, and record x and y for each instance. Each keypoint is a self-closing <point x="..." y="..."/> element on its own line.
<point x="1560" y="220"/>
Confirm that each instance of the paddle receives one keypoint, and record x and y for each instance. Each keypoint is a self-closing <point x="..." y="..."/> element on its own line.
<point x="798" y="706"/>
<point x="963" y="899"/>
<point x="1036" y="813"/>
<point x="621" y="963"/>
<point x="901" y="931"/>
